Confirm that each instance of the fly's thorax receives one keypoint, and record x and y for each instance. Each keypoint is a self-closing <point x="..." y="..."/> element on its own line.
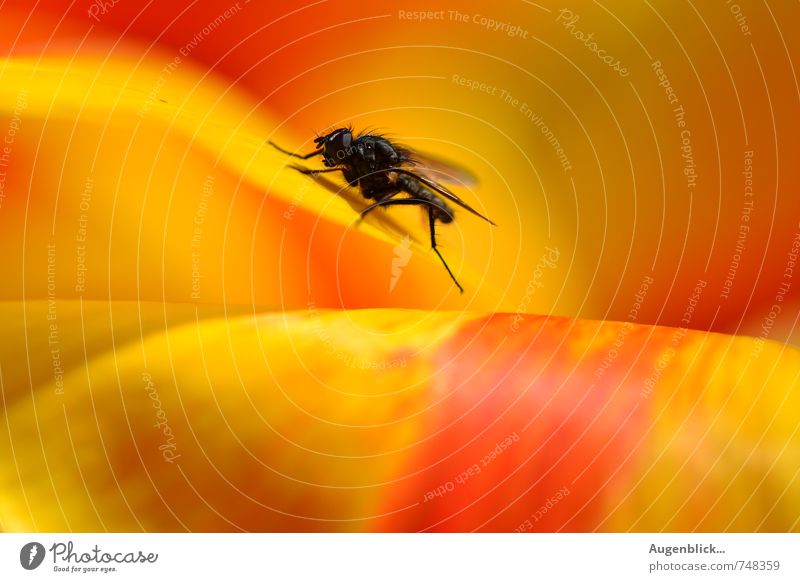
<point x="378" y="152"/>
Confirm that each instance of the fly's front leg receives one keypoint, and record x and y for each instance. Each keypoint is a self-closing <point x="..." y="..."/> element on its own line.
<point x="352" y="180"/>
<point x="351" y="177"/>
<point x="311" y="172"/>
<point x="293" y="154"/>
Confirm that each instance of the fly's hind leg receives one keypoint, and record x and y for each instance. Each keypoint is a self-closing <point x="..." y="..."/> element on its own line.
<point x="391" y="189"/>
<point x="382" y="202"/>
<point x="431" y="221"/>
<point x="432" y="224"/>
<point x="382" y="195"/>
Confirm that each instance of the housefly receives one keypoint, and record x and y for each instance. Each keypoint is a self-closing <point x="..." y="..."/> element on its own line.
<point x="382" y="170"/>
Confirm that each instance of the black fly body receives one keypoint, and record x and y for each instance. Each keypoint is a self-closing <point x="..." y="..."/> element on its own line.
<point x="382" y="170"/>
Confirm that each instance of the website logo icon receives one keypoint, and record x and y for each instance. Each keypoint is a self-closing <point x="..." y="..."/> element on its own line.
<point x="31" y="555"/>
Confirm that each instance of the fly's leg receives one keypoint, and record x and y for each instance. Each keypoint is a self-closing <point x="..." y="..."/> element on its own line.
<point x="414" y="189"/>
<point x="390" y="201"/>
<point x="432" y="224"/>
<point x="310" y="172"/>
<point x="293" y="154"/>
<point x="438" y="188"/>
<point x="314" y="172"/>
<point x="382" y="195"/>
<point x="431" y="221"/>
<point x="348" y="174"/>
<point x="382" y="202"/>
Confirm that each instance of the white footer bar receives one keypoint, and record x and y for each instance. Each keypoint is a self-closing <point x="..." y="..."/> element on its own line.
<point x="401" y="557"/>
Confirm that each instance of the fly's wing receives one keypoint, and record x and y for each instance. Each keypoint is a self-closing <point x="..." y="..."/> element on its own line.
<point x="437" y="168"/>
<point x="432" y="170"/>
<point x="436" y="187"/>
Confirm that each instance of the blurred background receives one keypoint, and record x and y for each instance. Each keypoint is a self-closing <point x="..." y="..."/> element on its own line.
<point x="616" y="133"/>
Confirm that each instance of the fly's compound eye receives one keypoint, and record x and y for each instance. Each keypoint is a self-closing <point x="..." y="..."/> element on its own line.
<point x="341" y="140"/>
<point x="340" y="143"/>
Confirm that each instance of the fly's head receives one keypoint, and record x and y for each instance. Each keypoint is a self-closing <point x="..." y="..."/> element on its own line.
<point x="336" y="146"/>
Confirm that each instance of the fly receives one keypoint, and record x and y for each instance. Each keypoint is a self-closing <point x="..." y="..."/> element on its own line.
<point x="382" y="170"/>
